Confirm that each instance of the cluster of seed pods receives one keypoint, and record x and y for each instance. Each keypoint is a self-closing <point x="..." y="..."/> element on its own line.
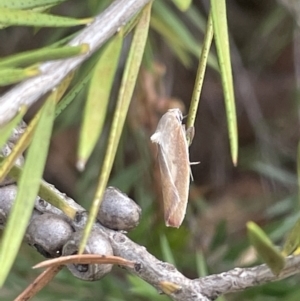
<point x="54" y="234"/>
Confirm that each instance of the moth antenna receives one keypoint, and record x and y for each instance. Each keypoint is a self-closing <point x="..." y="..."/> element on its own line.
<point x="191" y="174"/>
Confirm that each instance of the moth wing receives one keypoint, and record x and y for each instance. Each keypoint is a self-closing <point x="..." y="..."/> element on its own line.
<point x="156" y="137"/>
<point x="174" y="166"/>
<point x="180" y="176"/>
<point x="169" y="191"/>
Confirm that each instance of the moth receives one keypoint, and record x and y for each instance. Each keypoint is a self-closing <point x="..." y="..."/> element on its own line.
<point x="174" y="165"/>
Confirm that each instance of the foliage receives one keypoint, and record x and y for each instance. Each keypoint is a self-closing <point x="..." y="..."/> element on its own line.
<point x="175" y="25"/>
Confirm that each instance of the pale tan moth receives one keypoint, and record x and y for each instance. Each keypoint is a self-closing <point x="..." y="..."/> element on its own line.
<point x="174" y="165"/>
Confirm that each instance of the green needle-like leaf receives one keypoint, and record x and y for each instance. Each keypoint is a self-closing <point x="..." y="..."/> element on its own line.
<point x="10" y="76"/>
<point x="265" y="248"/>
<point x="125" y="94"/>
<point x="170" y="35"/>
<point x="201" y="264"/>
<point x="293" y="240"/>
<point x="25" y="139"/>
<point x="166" y="250"/>
<point x="200" y="73"/>
<point x="18" y="149"/>
<point x="298" y="171"/>
<point x="28" y="187"/>
<point x="98" y="98"/>
<point x="183" y="5"/>
<point x="10" y="16"/>
<point x="6" y="130"/>
<point x="27" y="4"/>
<point x="218" y="10"/>
<point x="45" y="54"/>
<point x="69" y="97"/>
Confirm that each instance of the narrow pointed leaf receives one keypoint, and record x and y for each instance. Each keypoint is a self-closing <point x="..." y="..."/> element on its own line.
<point x="293" y="240"/>
<point x="28" y="187"/>
<point x="86" y="77"/>
<point x="183" y="5"/>
<point x="265" y="248"/>
<point x="10" y="16"/>
<point x="45" y="54"/>
<point x="166" y="250"/>
<point x="298" y="171"/>
<point x="25" y="139"/>
<point x="176" y="26"/>
<point x="6" y="130"/>
<point x="98" y="98"/>
<point x="18" y="149"/>
<point x="69" y="97"/>
<point x="218" y="10"/>
<point x="125" y="94"/>
<point x="131" y="25"/>
<point x="63" y="86"/>
<point x="201" y="264"/>
<point x="10" y="76"/>
<point x="200" y="73"/>
<point x="26" y="4"/>
<point x="170" y="36"/>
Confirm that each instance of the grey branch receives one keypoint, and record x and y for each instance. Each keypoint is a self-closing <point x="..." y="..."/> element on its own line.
<point x="158" y="273"/>
<point x="49" y="230"/>
<point x="240" y="279"/>
<point x="95" y="35"/>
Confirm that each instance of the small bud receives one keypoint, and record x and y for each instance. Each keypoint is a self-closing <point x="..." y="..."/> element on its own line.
<point x="118" y="211"/>
<point x="48" y="233"/>
<point x="7" y="197"/>
<point x="97" y="244"/>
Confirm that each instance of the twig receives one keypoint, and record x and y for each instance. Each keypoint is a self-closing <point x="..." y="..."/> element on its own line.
<point x="42" y="280"/>
<point x="166" y="278"/>
<point x="240" y="279"/>
<point x="95" y="35"/>
<point x="163" y="276"/>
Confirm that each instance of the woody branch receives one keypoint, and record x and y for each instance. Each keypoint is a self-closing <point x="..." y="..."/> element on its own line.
<point x="157" y="272"/>
<point x="147" y="266"/>
<point x="104" y="26"/>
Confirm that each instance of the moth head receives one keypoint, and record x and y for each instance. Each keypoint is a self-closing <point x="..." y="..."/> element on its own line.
<point x="177" y="113"/>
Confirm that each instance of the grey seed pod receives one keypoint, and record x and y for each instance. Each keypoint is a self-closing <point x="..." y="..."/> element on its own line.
<point x="118" y="211"/>
<point x="97" y="244"/>
<point x="7" y="197"/>
<point x="48" y="233"/>
<point x="80" y="219"/>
